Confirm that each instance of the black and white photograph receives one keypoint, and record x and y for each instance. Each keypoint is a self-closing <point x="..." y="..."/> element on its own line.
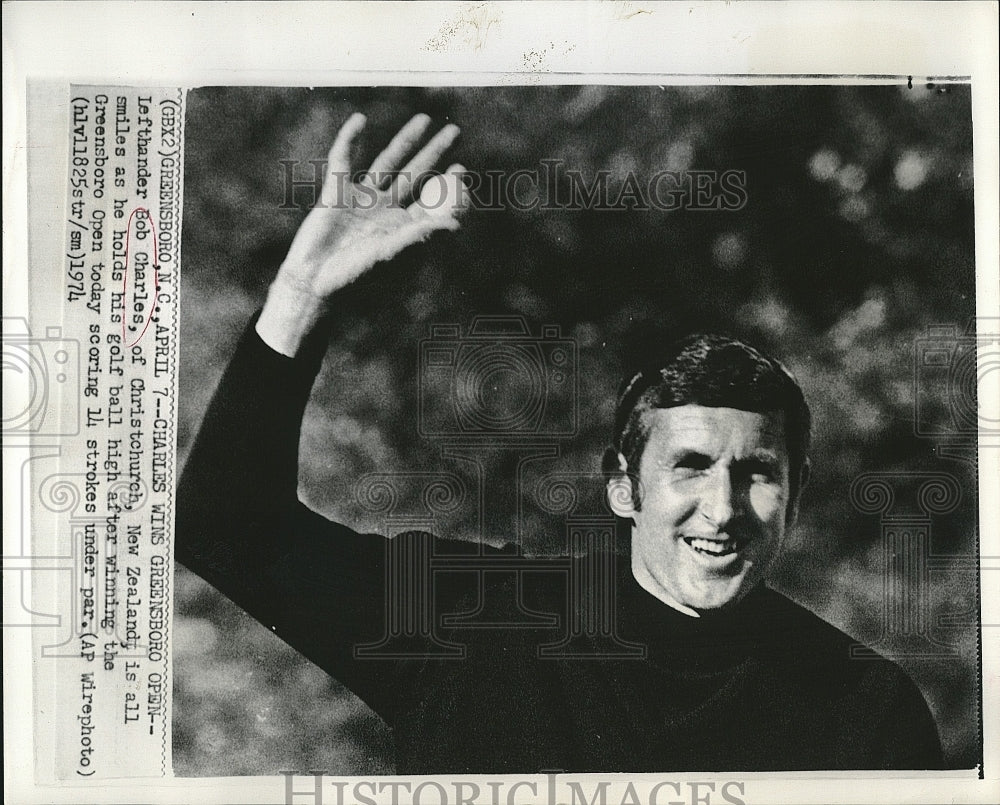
<point x="582" y="428"/>
<point x="476" y="403"/>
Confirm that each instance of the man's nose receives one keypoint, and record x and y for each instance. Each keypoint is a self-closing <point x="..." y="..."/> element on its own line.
<point x="719" y="500"/>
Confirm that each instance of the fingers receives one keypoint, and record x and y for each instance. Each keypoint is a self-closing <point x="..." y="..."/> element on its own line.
<point x="424" y="161"/>
<point x="392" y="157"/>
<point x="455" y="175"/>
<point x="442" y="200"/>
<point x="442" y="196"/>
<point x="420" y="229"/>
<point x="339" y="159"/>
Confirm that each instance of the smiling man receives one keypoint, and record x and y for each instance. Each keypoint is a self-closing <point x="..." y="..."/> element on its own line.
<point x="716" y="435"/>
<point x="709" y="669"/>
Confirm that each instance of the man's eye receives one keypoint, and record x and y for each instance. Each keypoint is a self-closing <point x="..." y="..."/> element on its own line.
<point x="762" y="473"/>
<point x="692" y="464"/>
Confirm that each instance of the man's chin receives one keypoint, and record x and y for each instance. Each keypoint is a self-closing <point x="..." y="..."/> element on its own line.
<point x="695" y="593"/>
<point x="717" y="598"/>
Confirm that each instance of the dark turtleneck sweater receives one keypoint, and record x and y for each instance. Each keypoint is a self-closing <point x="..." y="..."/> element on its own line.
<point x="765" y="685"/>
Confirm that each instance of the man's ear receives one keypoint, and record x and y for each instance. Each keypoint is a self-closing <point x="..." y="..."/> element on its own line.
<point x="793" y="505"/>
<point x="620" y="491"/>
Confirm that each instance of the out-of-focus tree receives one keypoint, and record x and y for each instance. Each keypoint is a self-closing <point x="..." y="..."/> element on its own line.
<point x="855" y="235"/>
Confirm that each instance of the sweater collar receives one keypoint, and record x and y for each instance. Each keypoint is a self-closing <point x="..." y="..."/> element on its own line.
<point x="726" y="637"/>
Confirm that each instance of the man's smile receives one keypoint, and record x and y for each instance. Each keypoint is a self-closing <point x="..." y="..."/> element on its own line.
<point x="713" y="554"/>
<point x="715" y="546"/>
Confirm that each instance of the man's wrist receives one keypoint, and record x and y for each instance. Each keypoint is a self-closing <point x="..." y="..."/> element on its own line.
<point x="291" y="313"/>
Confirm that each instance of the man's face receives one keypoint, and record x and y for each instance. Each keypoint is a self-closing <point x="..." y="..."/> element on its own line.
<point x="714" y="497"/>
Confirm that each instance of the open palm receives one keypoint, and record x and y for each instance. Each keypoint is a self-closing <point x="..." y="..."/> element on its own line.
<point x="358" y="224"/>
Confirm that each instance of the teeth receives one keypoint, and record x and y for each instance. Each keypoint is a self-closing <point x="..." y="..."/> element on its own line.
<point x="714" y="547"/>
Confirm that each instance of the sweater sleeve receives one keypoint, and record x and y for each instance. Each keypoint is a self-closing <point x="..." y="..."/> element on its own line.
<point x="316" y="584"/>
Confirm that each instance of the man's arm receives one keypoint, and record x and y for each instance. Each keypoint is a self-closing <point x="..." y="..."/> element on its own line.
<point x="315" y="583"/>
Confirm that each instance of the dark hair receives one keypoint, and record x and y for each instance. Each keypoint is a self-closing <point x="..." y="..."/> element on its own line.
<point x="715" y="371"/>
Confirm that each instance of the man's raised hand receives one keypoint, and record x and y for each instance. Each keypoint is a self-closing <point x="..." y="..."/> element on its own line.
<point x="358" y="224"/>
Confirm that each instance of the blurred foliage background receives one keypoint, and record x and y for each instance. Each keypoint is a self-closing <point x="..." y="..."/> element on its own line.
<point x="856" y="235"/>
